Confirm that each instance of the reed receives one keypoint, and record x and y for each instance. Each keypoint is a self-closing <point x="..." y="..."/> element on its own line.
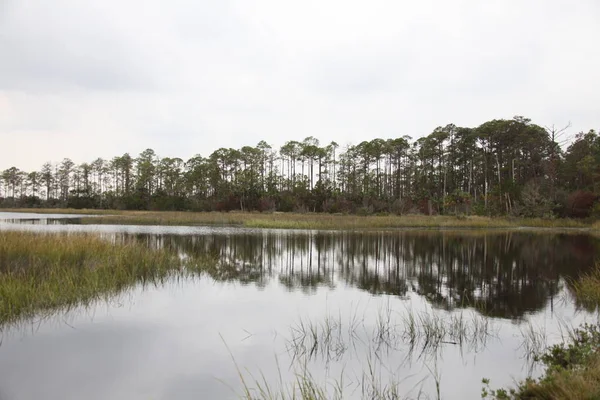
<point x="40" y="273"/>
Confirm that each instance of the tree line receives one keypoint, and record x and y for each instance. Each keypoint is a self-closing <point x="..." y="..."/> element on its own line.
<point x="502" y="167"/>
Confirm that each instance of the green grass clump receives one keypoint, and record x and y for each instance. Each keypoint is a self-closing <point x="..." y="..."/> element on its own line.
<point x="45" y="272"/>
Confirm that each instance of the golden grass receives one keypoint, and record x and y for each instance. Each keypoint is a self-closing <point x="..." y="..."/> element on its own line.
<point x="42" y="273"/>
<point x="312" y="220"/>
<point x="326" y="221"/>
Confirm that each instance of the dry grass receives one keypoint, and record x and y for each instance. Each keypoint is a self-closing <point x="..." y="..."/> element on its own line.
<point x="310" y="220"/>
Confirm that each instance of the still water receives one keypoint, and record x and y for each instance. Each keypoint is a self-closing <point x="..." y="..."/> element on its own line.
<point x="357" y="311"/>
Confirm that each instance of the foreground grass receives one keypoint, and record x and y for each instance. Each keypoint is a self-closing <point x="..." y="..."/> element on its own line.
<point x="572" y="371"/>
<point x="43" y="273"/>
<point x="310" y="220"/>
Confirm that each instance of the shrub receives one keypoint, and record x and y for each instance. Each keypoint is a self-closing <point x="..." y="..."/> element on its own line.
<point x="364" y="211"/>
<point x="580" y="204"/>
<point x="337" y="205"/>
<point x="401" y="206"/>
<point x="287" y="202"/>
<point x="572" y="371"/>
<point x="266" y="204"/>
<point x="534" y="204"/>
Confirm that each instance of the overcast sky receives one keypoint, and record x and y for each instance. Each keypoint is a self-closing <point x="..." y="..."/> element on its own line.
<point x="98" y="78"/>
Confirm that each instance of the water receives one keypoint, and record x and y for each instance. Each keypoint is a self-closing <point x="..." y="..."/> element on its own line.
<point x="356" y="290"/>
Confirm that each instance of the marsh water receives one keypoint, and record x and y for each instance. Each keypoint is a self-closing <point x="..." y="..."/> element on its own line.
<point x="428" y="312"/>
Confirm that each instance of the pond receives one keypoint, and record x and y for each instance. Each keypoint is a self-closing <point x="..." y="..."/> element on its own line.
<point x="425" y="313"/>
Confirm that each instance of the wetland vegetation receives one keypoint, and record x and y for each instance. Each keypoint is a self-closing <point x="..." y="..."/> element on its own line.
<point x="43" y="273"/>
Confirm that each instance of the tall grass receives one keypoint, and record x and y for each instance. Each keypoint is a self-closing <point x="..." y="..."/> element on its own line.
<point x="587" y="288"/>
<point x="170" y="218"/>
<point x="41" y="273"/>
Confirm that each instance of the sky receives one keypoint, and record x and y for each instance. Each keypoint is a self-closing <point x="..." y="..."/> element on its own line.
<point x="99" y="78"/>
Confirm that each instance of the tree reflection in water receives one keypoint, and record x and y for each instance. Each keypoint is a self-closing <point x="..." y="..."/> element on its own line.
<point x="501" y="274"/>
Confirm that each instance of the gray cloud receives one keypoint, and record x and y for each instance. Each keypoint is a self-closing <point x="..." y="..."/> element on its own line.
<point x="99" y="78"/>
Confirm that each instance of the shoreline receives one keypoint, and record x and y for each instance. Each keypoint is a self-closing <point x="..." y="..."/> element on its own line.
<point x="316" y="221"/>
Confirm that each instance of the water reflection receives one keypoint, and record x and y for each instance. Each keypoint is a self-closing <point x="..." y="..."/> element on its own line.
<point x="40" y="219"/>
<point x="43" y="221"/>
<point x="504" y="274"/>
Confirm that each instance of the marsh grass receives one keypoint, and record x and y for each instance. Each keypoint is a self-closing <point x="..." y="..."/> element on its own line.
<point x="427" y="332"/>
<point x="40" y="273"/>
<point x="310" y="220"/>
<point x="370" y="385"/>
<point x="415" y="333"/>
<point x="329" y="339"/>
<point x="336" y="222"/>
<point x="169" y="218"/>
<point x="587" y="288"/>
<point x="535" y="342"/>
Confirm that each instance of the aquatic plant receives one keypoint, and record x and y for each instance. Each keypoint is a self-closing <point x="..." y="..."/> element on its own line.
<point x="415" y="333"/>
